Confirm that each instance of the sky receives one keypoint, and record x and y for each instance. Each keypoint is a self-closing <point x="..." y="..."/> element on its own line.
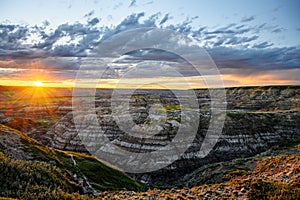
<point x="250" y="42"/>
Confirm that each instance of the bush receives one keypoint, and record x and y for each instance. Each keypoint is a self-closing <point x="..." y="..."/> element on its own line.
<point x="263" y="189"/>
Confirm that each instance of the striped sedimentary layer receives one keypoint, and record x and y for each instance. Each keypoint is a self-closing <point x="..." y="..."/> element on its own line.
<point x="256" y="119"/>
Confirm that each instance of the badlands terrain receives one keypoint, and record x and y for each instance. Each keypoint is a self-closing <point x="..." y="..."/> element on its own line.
<point x="255" y="157"/>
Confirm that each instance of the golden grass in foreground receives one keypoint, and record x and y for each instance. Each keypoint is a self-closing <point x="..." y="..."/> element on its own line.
<point x="276" y="177"/>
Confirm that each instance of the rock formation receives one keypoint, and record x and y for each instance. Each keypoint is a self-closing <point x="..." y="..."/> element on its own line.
<point x="256" y="119"/>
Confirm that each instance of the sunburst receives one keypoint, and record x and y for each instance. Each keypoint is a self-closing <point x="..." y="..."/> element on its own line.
<point x="38" y="83"/>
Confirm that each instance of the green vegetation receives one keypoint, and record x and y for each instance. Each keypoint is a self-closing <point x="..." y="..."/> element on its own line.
<point x="238" y="172"/>
<point x="265" y="189"/>
<point x="178" y="119"/>
<point x="235" y="114"/>
<point x="49" y="174"/>
<point x="172" y="107"/>
<point x="265" y="180"/>
<point x="271" y="175"/>
<point x="19" y="177"/>
<point x="103" y="177"/>
<point x="260" y="165"/>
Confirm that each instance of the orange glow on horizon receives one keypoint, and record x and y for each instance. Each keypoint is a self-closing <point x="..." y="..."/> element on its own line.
<point x="36" y="74"/>
<point x="230" y="80"/>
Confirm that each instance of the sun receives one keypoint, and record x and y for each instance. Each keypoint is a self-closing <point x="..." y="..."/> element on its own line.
<point x="38" y="83"/>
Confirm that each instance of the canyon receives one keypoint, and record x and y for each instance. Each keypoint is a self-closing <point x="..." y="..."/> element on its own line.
<point x="256" y="119"/>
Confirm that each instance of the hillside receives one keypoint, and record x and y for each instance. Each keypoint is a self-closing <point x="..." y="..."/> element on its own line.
<point x="29" y="169"/>
<point x="274" y="174"/>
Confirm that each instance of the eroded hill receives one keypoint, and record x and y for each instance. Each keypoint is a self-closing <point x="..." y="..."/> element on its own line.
<point x="30" y="170"/>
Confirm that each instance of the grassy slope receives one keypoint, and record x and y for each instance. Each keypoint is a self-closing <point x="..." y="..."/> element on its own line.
<point x="50" y="170"/>
<point x="271" y="175"/>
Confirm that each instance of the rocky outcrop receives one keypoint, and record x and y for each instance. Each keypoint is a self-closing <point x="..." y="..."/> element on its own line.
<point x="63" y="135"/>
<point x="256" y="119"/>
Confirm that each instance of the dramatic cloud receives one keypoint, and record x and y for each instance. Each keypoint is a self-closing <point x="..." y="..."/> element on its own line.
<point x="235" y="48"/>
<point x="256" y="59"/>
<point x="12" y="36"/>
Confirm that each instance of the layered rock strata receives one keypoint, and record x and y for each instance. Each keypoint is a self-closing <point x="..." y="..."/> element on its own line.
<point x="256" y="119"/>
